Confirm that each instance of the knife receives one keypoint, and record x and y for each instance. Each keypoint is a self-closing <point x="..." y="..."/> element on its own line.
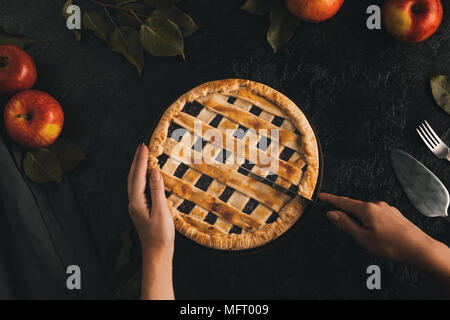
<point x="425" y="191"/>
<point x="271" y="183"/>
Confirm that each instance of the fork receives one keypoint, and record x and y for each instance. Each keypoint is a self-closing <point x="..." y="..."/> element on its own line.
<point x="432" y="141"/>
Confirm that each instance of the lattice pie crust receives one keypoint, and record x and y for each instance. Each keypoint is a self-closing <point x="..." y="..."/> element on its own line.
<point x="217" y="204"/>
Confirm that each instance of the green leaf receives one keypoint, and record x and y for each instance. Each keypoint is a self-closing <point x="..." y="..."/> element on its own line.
<point x="184" y="21"/>
<point x="42" y="165"/>
<point x="258" y="7"/>
<point x="128" y="18"/>
<point x="68" y="153"/>
<point x="282" y="26"/>
<point x="137" y="8"/>
<point x="161" y="37"/>
<point x="64" y="9"/>
<point x="440" y="86"/>
<point x="161" y="3"/>
<point x="125" y="40"/>
<point x="96" y="22"/>
<point x="14" y="39"/>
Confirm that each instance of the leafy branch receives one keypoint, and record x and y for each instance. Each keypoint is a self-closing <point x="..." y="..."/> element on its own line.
<point x="282" y="23"/>
<point x="131" y="27"/>
<point x="14" y="39"/>
<point x="119" y="7"/>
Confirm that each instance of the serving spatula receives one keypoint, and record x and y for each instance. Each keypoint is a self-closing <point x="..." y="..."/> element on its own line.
<point x="425" y="191"/>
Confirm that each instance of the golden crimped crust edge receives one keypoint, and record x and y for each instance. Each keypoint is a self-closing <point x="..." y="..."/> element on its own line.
<point x="290" y="212"/>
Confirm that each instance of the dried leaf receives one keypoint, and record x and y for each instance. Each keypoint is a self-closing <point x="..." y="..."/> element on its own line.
<point x="125" y="40"/>
<point x="64" y="9"/>
<point x="161" y="37"/>
<point x="68" y="152"/>
<point x="42" y="165"/>
<point x="184" y="21"/>
<point x="440" y="86"/>
<point x="282" y="26"/>
<point x="96" y="22"/>
<point x="258" y="7"/>
<point x="14" y="39"/>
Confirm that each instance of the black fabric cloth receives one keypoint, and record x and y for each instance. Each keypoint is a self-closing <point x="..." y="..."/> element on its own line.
<point x="42" y="231"/>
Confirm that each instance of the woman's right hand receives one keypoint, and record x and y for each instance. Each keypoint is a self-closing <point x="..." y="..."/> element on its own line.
<point x="378" y="227"/>
<point x="385" y="232"/>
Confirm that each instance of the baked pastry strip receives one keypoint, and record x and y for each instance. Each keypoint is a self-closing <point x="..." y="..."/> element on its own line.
<point x="228" y="175"/>
<point x="209" y="202"/>
<point x="204" y="227"/>
<point x="291" y="211"/>
<point x="258" y="101"/>
<point x="192" y="176"/>
<point x="285" y="169"/>
<point x="198" y="214"/>
<point x="309" y="144"/>
<point x="250" y="121"/>
<point x="244" y="98"/>
<point x="238" y="199"/>
<point x="261" y="212"/>
<point x="295" y="158"/>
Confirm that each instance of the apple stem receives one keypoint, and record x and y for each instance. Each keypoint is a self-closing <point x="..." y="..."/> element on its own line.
<point x="3" y="62"/>
<point x="25" y="116"/>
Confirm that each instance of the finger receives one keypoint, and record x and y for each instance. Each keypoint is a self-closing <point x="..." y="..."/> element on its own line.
<point x="344" y="222"/>
<point x="352" y="206"/>
<point x="396" y="211"/>
<point x="157" y="190"/>
<point x="138" y="181"/>
<point x="133" y="164"/>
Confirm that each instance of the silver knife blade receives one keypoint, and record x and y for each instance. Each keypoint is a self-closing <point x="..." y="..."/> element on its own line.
<point x="425" y="191"/>
<point x="272" y="183"/>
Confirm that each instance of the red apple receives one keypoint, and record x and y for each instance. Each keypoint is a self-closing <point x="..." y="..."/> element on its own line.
<point x="17" y="70"/>
<point x="412" y="20"/>
<point x="33" y="118"/>
<point x="314" y="10"/>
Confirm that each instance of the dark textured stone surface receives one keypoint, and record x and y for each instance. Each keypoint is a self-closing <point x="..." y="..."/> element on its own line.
<point x="364" y="92"/>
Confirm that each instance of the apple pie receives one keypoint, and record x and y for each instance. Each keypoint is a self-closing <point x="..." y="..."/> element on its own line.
<point x="207" y="144"/>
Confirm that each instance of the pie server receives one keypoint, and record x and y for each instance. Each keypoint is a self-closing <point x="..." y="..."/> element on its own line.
<point x="425" y="191"/>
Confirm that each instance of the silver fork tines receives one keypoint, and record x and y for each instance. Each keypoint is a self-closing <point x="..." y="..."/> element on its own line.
<point x="432" y="141"/>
